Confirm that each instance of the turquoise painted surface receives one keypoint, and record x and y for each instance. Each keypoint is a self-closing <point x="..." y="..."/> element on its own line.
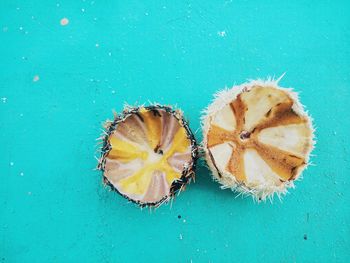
<point x="53" y="207"/>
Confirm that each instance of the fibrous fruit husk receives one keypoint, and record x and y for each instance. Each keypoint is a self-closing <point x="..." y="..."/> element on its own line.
<point x="148" y="154"/>
<point x="257" y="138"/>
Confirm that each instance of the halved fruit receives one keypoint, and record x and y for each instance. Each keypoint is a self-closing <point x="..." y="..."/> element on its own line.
<point x="149" y="154"/>
<point x="257" y="138"/>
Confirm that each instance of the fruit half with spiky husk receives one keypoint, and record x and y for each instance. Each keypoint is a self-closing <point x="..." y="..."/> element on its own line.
<point x="148" y="154"/>
<point x="257" y="138"/>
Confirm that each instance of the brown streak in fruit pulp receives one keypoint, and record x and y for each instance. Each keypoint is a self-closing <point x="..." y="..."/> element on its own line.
<point x="218" y="135"/>
<point x="236" y="164"/>
<point x="238" y="109"/>
<point x="281" y="162"/>
<point x="286" y="118"/>
<point x="280" y="115"/>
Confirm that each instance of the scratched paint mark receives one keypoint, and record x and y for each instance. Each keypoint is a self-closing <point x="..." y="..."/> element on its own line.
<point x="36" y="78"/>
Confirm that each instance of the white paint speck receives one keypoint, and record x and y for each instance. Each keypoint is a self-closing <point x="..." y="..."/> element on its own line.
<point x="146" y="14"/>
<point x="4" y="100"/>
<point x="110" y="54"/>
<point x="58" y="4"/>
<point x="93" y="101"/>
<point x="113" y="91"/>
<point x="21" y="115"/>
<point x="12" y="163"/>
<point x="222" y="33"/>
<point x="97" y="45"/>
<point x="21" y="28"/>
<point x="21" y="174"/>
<point x="184" y="220"/>
<point x="83" y="10"/>
<point x="36" y="78"/>
<point x="180" y="237"/>
<point x="64" y="21"/>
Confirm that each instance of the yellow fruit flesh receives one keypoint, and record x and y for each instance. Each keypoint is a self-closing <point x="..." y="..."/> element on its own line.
<point x="125" y="151"/>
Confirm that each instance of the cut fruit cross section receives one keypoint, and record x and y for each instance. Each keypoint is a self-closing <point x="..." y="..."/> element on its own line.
<point x="149" y="153"/>
<point x="257" y="138"/>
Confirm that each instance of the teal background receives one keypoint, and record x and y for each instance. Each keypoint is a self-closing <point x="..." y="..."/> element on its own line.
<point x="53" y="205"/>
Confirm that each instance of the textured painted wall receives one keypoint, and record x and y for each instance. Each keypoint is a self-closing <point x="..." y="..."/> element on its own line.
<point x="64" y="65"/>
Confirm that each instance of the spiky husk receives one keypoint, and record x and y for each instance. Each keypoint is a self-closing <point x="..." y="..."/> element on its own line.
<point x="226" y="179"/>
